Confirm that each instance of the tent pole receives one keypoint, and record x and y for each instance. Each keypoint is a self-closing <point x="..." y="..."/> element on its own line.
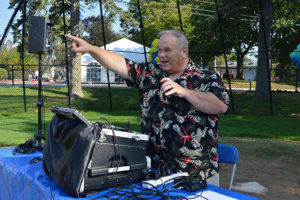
<point x="104" y="41"/>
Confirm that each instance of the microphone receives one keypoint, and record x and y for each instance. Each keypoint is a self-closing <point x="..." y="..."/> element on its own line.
<point x="162" y="75"/>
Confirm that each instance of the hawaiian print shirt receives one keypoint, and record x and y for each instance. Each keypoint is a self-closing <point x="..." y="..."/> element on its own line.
<point x="179" y="133"/>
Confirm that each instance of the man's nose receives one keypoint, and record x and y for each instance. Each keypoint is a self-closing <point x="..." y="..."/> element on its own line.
<point x="161" y="54"/>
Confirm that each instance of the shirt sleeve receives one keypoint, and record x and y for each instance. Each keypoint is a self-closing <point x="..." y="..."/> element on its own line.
<point x="217" y="87"/>
<point x="135" y="72"/>
<point x="141" y="75"/>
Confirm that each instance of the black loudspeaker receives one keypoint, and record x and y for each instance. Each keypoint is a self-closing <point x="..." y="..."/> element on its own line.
<point x="40" y="35"/>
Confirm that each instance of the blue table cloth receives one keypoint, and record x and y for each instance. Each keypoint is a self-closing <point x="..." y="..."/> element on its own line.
<point x="21" y="180"/>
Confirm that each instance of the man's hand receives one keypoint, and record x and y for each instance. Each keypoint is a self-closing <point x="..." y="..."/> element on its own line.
<point x="205" y="102"/>
<point x="107" y="59"/>
<point x="170" y="87"/>
<point x="79" y="45"/>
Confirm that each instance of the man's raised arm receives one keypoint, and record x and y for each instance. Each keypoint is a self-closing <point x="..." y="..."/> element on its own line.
<point x="107" y="59"/>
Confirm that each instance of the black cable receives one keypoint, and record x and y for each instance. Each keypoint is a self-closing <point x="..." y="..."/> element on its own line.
<point x="135" y="192"/>
<point x="35" y="160"/>
<point x="181" y="182"/>
<point x="50" y="187"/>
<point x="129" y="192"/>
<point x="114" y="134"/>
<point x="44" y="113"/>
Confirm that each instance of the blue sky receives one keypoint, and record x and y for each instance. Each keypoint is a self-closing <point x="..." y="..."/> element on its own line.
<point x="5" y="17"/>
<point x="7" y="13"/>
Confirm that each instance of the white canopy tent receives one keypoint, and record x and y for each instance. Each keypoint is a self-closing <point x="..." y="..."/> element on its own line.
<point x="90" y="70"/>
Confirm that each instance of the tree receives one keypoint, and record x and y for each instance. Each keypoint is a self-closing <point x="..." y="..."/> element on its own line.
<point x="285" y="33"/>
<point x="93" y="28"/>
<point x="34" y="7"/>
<point x="12" y="57"/>
<point x="75" y="69"/>
<point x="156" y="16"/>
<point x="262" y="80"/>
<point x="239" y="31"/>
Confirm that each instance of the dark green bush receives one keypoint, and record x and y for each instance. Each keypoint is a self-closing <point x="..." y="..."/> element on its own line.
<point x="3" y="74"/>
<point x="18" y="75"/>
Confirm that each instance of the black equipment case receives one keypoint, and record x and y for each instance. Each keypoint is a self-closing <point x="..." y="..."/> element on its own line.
<point x="81" y="156"/>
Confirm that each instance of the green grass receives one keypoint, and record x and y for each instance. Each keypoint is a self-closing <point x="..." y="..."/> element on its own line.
<point x="266" y="148"/>
<point x="236" y="83"/>
<point x="283" y="104"/>
<point x="251" y="118"/>
<point x="260" y="126"/>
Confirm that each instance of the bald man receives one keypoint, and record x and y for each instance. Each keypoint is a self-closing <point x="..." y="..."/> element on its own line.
<point x="180" y="103"/>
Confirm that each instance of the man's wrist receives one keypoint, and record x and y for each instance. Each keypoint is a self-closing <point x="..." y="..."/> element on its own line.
<point x="92" y="49"/>
<point x="186" y="93"/>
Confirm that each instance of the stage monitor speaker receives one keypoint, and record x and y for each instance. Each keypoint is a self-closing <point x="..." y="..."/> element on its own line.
<point x="40" y="35"/>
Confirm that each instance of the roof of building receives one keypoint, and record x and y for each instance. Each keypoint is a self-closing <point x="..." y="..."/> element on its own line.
<point x="124" y="47"/>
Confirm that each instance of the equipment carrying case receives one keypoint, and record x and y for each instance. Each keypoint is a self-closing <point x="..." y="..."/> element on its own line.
<point x="81" y="156"/>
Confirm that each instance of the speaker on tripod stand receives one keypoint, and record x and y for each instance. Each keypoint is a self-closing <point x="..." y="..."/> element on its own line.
<point x="40" y="41"/>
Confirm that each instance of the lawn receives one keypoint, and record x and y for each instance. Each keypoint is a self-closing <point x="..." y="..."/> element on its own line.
<point x="251" y="118"/>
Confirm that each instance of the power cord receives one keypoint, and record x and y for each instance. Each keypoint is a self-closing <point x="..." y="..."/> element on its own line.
<point x="140" y="193"/>
<point x="50" y="187"/>
<point x="114" y="134"/>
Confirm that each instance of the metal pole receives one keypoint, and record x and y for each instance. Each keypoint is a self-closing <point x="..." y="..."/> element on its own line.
<point x="39" y="136"/>
<point x="40" y="101"/>
<point x="225" y="57"/>
<point x="66" y="55"/>
<point x="142" y="30"/>
<point x="179" y="14"/>
<point x="13" y="75"/>
<point x="267" y="55"/>
<point x="297" y="75"/>
<point x="10" y="22"/>
<point x="104" y="42"/>
<point x="22" y="54"/>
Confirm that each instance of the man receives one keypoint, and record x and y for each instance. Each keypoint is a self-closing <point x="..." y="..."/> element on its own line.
<point x="52" y="73"/>
<point x="180" y="103"/>
<point x="29" y="75"/>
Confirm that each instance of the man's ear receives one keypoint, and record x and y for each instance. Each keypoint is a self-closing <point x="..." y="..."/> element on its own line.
<point x="185" y="51"/>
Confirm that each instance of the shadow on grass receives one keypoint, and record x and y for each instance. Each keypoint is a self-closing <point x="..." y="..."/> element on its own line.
<point x="98" y="100"/>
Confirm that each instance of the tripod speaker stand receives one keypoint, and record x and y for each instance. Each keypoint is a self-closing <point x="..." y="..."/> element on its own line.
<point x="40" y="41"/>
<point x="37" y="141"/>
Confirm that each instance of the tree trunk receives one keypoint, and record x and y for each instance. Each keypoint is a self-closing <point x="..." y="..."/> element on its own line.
<point x="239" y="65"/>
<point x="75" y="70"/>
<point x="281" y="73"/>
<point x="262" y="85"/>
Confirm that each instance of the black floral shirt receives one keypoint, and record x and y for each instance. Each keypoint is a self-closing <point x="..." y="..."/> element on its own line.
<point x="179" y="133"/>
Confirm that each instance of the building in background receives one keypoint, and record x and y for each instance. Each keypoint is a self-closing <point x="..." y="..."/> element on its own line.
<point x="249" y="69"/>
<point x="93" y="72"/>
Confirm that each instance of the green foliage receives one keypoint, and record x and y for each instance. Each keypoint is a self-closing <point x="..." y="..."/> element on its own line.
<point x="3" y="74"/>
<point x="18" y="75"/>
<point x="156" y="16"/>
<point x="94" y="30"/>
<point x="285" y="32"/>
<point x="12" y="57"/>
<point x="9" y="57"/>
<point x="221" y="61"/>
<point x="239" y="30"/>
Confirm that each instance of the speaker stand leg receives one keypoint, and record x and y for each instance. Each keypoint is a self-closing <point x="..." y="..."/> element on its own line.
<point x="39" y="136"/>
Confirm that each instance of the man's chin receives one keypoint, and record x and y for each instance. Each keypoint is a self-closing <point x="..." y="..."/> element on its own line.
<point x="165" y="67"/>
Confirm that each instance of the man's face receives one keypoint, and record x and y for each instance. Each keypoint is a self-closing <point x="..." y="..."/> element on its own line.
<point x="170" y="56"/>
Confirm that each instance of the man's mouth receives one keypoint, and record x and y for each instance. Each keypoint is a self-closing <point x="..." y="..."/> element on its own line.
<point x="164" y="62"/>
